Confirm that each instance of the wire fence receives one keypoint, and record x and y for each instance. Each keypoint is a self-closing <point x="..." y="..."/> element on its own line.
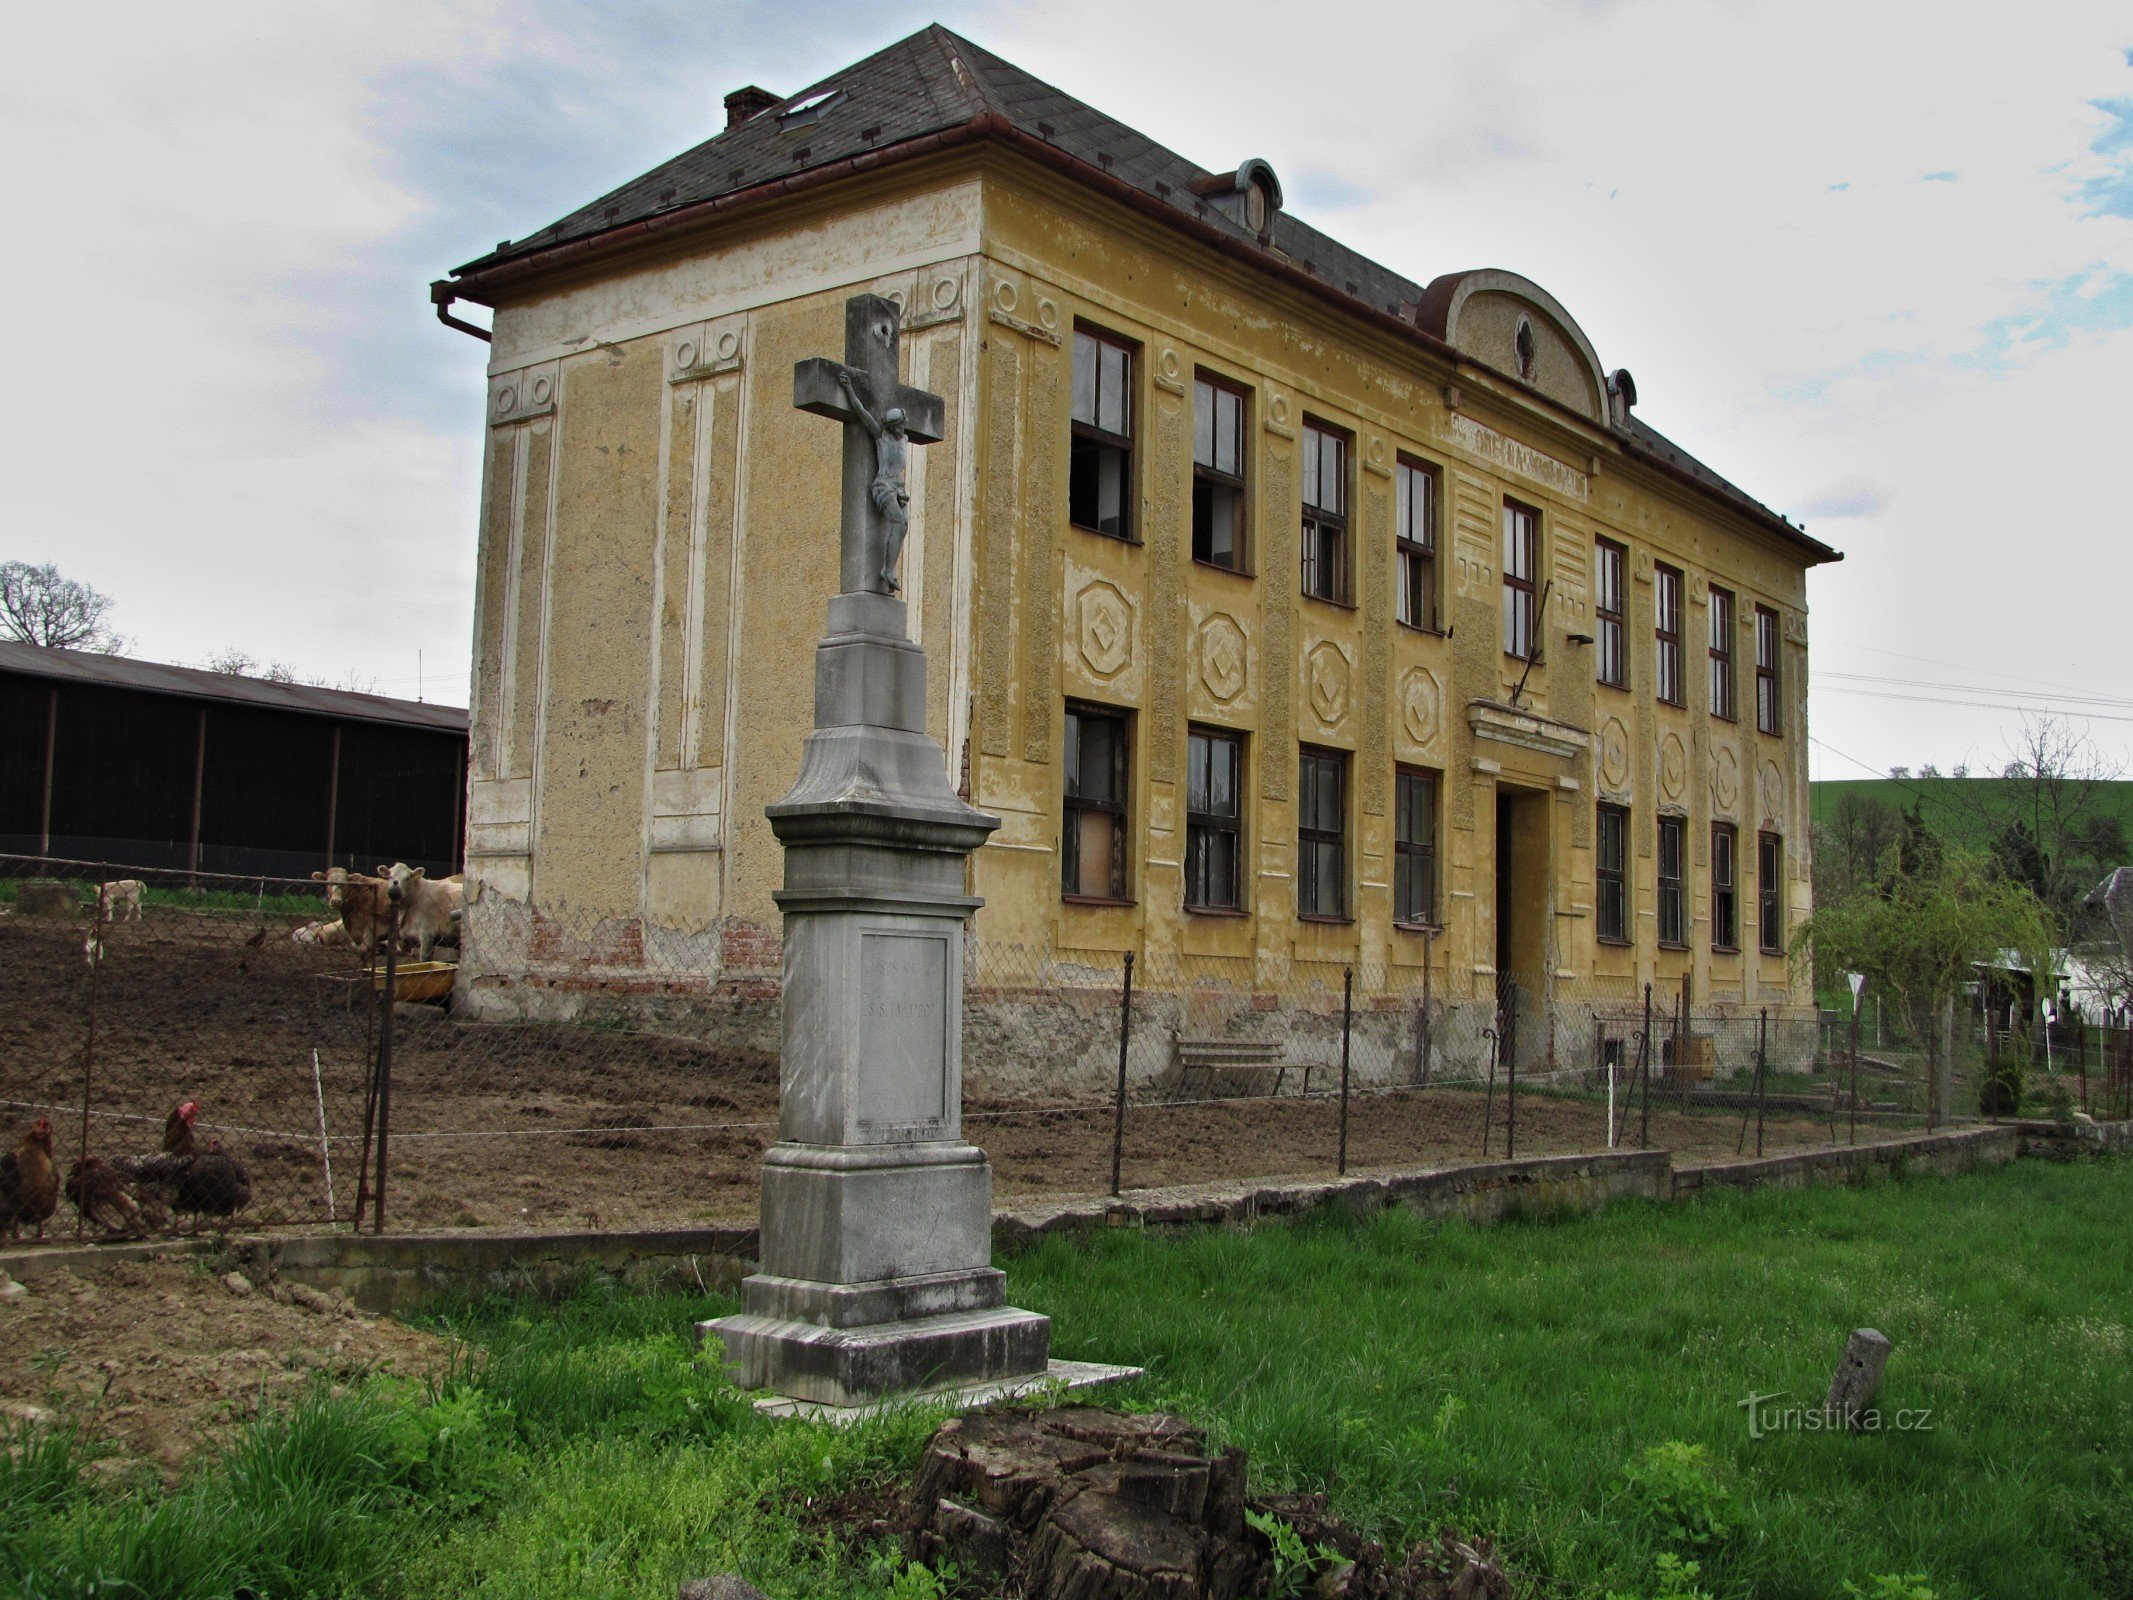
<point x="532" y="1074"/>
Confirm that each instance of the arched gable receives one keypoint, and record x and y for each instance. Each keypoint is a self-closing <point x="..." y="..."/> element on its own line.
<point x="1514" y="325"/>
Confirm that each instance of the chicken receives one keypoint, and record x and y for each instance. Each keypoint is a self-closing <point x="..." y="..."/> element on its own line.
<point x="153" y="1179"/>
<point x="29" y="1182"/>
<point x="100" y="1195"/>
<point x="213" y="1183"/>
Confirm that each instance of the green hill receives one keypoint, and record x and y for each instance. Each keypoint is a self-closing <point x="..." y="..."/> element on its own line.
<point x="1964" y="811"/>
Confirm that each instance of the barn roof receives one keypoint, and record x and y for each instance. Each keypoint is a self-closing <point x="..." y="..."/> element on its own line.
<point x="935" y="88"/>
<point x="192" y="683"/>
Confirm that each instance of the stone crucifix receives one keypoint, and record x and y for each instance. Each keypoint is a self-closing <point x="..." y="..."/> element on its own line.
<point x="882" y="417"/>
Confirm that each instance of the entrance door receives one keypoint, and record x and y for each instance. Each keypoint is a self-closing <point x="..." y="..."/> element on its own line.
<point x="1521" y="908"/>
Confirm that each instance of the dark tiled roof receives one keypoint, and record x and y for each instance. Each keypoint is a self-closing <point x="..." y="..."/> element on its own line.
<point x="936" y="81"/>
<point x="191" y="683"/>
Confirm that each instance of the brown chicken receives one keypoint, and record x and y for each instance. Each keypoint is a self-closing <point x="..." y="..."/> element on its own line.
<point x="100" y="1195"/>
<point x="213" y="1183"/>
<point x="29" y="1182"/>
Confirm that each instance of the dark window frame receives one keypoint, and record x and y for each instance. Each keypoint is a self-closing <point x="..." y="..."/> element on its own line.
<point x="1673" y="898"/>
<point x="1770" y="893"/>
<point x="1320" y="521"/>
<point x="1769" y="658"/>
<point x="1610" y="912"/>
<point x="1521" y="591"/>
<point x="1118" y="806"/>
<point x="1091" y="434"/>
<point x="1411" y="554"/>
<point x="1725" y="889"/>
<point x="1200" y="824"/>
<point x="1412" y="855"/>
<point x="1725" y="703"/>
<point x="1308" y="834"/>
<point x="1212" y="475"/>
<point x="1610" y="655"/>
<point x="1668" y="660"/>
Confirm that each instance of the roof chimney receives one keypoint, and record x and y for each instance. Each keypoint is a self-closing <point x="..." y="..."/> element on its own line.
<point x="749" y="102"/>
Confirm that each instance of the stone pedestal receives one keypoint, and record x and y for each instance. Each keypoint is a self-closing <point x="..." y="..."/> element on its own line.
<point x="877" y="1275"/>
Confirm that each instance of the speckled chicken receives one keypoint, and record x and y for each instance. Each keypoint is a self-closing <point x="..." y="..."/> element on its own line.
<point x="101" y="1196"/>
<point x="29" y="1182"/>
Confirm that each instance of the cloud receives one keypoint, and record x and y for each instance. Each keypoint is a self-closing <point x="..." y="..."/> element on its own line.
<point x="1846" y="498"/>
<point x="1313" y="189"/>
<point x="231" y="406"/>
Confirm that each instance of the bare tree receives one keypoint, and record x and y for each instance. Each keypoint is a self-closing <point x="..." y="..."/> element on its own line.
<point x="38" y="606"/>
<point x="238" y="663"/>
<point x="2058" y="831"/>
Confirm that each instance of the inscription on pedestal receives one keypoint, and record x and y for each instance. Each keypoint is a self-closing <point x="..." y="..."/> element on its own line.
<point x="903" y="1021"/>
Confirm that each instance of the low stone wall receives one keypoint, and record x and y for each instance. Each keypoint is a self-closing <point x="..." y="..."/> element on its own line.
<point x="1964" y="1150"/>
<point x="2072" y="1141"/>
<point x="405" y="1272"/>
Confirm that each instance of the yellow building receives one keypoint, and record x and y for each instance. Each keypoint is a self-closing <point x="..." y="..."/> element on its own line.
<point x="1291" y="615"/>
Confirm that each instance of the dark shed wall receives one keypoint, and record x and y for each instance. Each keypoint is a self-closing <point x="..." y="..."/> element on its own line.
<point x="123" y="784"/>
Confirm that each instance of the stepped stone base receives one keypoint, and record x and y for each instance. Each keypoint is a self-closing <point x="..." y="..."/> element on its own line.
<point x="852" y="1366"/>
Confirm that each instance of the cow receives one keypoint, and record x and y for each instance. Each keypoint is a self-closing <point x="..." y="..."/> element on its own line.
<point x="429" y="907"/>
<point x="361" y="903"/>
<point x="120" y="900"/>
<point x="329" y="932"/>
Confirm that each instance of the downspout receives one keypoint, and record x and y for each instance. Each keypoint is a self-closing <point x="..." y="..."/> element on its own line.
<point x="442" y="296"/>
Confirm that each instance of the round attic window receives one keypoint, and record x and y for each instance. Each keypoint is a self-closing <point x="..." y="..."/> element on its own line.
<point x="1523" y="344"/>
<point x="1256" y="208"/>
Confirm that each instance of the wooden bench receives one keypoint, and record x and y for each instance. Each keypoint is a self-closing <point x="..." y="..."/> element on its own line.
<point x="1261" y="1061"/>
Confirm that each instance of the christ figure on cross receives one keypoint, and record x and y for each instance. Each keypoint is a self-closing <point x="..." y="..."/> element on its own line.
<point x="890" y="495"/>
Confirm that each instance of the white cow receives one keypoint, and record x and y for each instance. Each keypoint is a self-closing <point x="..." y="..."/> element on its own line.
<point x="328" y="932"/>
<point x="429" y="907"/>
<point x="120" y="900"/>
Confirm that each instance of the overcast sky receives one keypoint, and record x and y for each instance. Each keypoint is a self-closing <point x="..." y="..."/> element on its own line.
<point x="1873" y="262"/>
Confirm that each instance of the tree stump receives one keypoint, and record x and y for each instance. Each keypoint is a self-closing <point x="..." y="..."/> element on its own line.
<point x="1086" y="1504"/>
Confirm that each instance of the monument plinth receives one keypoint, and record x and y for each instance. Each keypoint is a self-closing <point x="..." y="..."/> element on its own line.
<point x="876" y="1261"/>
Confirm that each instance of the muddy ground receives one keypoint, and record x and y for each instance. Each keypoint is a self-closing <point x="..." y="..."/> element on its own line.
<point x="158" y="1360"/>
<point x="559" y="1126"/>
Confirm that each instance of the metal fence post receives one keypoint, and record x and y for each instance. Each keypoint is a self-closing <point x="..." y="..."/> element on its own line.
<point x="1429" y="940"/>
<point x="1855" y="1069"/>
<point x="1762" y="1062"/>
<point x="385" y="1061"/>
<point x="1510" y="1073"/>
<point x="1118" y="1108"/>
<point x="94" y="950"/>
<point x="1347" y="1030"/>
<point x="1644" y="1075"/>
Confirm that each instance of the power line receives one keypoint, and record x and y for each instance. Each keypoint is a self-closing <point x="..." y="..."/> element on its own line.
<point x="2118" y="701"/>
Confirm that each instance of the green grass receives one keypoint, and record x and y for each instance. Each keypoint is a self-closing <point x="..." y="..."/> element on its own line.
<point x="1569" y="1386"/>
<point x="295" y="903"/>
<point x="1509" y="1380"/>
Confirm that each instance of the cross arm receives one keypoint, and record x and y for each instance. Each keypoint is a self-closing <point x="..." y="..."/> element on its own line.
<point x="816" y="388"/>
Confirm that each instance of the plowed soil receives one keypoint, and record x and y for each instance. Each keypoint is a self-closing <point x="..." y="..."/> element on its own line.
<point x="562" y="1126"/>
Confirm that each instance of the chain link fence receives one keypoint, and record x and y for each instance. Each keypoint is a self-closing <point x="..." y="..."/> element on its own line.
<point x="541" y="1075"/>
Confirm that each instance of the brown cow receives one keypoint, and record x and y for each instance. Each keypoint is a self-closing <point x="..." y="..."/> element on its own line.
<point x="362" y="905"/>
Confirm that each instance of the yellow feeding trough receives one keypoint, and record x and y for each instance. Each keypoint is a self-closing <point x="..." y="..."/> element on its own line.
<point x="418" y="980"/>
